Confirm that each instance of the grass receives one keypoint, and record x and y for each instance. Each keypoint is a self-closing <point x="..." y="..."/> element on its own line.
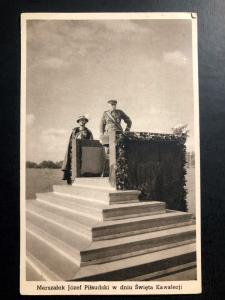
<point x="42" y="180"/>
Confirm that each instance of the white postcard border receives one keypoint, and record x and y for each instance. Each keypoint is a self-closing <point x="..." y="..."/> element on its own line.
<point x="149" y="287"/>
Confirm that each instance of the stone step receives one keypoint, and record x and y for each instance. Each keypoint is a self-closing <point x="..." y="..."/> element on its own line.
<point x="32" y="274"/>
<point x="180" y="273"/>
<point x="109" y="250"/>
<point x="65" y="203"/>
<point x="51" y="252"/>
<point x="111" y="212"/>
<point x="106" y="250"/>
<point x="132" y="210"/>
<point x="36" y="271"/>
<point x="83" y="201"/>
<point x="63" y="256"/>
<point x="63" y="212"/>
<point x="102" y="182"/>
<point x="97" y="193"/>
<point x="134" y="267"/>
<point x="174" y="268"/>
<point x="58" y="223"/>
<point x="131" y="226"/>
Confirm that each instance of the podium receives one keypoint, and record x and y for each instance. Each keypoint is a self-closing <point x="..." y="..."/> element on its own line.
<point x="152" y="163"/>
<point x="87" y="158"/>
<point x="101" y="228"/>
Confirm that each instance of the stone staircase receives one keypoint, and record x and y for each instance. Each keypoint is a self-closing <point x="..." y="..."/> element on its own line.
<point x="90" y="231"/>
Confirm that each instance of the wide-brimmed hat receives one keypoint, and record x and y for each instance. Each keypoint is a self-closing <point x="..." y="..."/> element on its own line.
<point x="112" y="101"/>
<point x="83" y="117"/>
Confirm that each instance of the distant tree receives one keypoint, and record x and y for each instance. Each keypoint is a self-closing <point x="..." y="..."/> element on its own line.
<point x="31" y="164"/>
<point x="59" y="164"/>
<point x="47" y="164"/>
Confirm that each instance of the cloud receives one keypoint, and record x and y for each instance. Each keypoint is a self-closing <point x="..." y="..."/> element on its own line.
<point x="124" y="27"/>
<point x="54" y="142"/>
<point x="52" y="133"/>
<point x="62" y="44"/>
<point x="54" y="62"/>
<point x="175" y="57"/>
<point x="30" y="120"/>
<point x="49" y="144"/>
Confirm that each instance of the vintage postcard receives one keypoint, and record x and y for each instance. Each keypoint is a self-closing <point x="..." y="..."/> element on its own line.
<point x="110" y="166"/>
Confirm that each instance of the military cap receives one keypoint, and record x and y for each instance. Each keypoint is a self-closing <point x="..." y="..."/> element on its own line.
<point x="112" y="101"/>
<point x="82" y="118"/>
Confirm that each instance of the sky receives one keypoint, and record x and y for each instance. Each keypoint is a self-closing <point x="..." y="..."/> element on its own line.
<point x="75" y="66"/>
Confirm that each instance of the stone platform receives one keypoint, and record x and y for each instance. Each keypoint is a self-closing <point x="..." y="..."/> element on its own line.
<point x="91" y="231"/>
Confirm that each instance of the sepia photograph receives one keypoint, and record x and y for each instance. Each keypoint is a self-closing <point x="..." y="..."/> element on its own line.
<point x="110" y="159"/>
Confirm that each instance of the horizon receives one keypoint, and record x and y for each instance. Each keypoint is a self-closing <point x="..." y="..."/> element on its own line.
<point x="59" y="161"/>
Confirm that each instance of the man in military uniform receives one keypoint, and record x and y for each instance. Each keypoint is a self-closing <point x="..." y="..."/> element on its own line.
<point x="111" y="121"/>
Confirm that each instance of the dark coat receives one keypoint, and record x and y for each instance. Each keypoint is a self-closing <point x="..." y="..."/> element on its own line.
<point x="77" y="133"/>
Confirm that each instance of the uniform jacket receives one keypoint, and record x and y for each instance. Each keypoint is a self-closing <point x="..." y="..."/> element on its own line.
<point x="108" y="124"/>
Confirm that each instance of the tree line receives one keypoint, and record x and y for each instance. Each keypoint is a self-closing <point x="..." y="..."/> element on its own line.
<point x="45" y="164"/>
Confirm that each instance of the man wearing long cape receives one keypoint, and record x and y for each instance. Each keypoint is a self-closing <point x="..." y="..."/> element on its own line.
<point x="81" y="132"/>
